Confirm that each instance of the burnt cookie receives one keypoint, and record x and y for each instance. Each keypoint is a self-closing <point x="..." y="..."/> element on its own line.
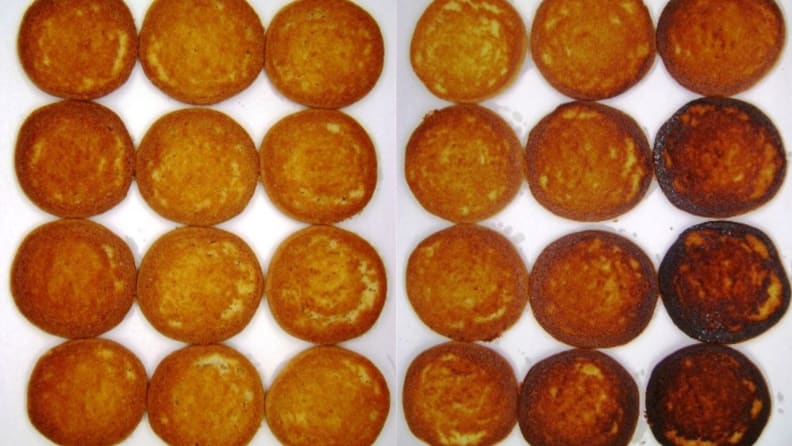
<point x="579" y="397"/>
<point x="592" y="50"/>
<point x="723" y="282"/>
<point x="324" y="53"/>
<point x="201" y="52"/>
<point x="719" y="157"/>
<point x="87" y="391"/>
<point x="707" y="394"/>
<point x="593" y="289"/>
<point x="460" y="393"/>
<point x="73" y="278"/>
<point x="467" y="282"/>
<point x="588" y="162"/>
<point x="720" y="47"/>
<point x="328" y="395"/>
<point x="462" y="163"/>
<point x="78" y="49"/>
<point x="74" y="158"/>
<point x="468" y="50"/>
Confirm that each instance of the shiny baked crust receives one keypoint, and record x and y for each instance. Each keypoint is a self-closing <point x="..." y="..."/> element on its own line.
<point x="73" y="278"/>
<point x="460" y="393"/>
<point x="79" y="49"/>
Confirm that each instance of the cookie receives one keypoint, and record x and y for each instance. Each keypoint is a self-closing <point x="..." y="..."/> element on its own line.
<point x="199" y="285"/>
<point x="588" y="162"/>
<point x="720" y="47"/>
<point x="208" y="394"/>
<point x="579" y="397"/>
<point x="326" y="285"/>
<point x="318" y="166"/>
<point x="328" y="395"/>
<point x="723" y="282"/>
<point x="707" y="394"/>
<point x="719" y="157"/>
<point x="592" y="50"/>
<point x="463" y="163"/>
<point x="201" y="51"/>
<point x="197" y="166"/>
<point x="468" y="50"/>
<point x="74" y="158"/>
<point x="467" y="282"/>
<point x="88" y="391"/>
<point x="593" y="289"/>
<point x="460" y="393"/>
<point x="324" y="53"/>
<point x="78" y="49"/>
<point x="73" y="278"/>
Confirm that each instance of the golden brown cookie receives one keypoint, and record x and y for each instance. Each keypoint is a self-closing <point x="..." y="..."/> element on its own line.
<point x="460" y="393"/>
<point x="723" y="282"/>
<point x="468" y="50"/>
<point x="588" y="162"/>
<point x="580" y="397"/>
<point x="463" y="163"/>
<point x="593" y="289"/>
<point x="592" y="49"/>
<point x="719" y="157"/>
<point x="197" y="166"/>
<point x="74" y="159"/>
<point x="330" y="396"/>
<point x="199" y="285"/>
<point x="208" y="394"/>
<point x="87" y="392"/>
<point x="324" y="53"/>
<point x="80" y="49"/>
<point x="201" y="51"/>
<point x="326" y="285"/>
<point x="73" y="278"/>
<point x="707" y="394"/>
<point x="467" y="282"/>
<point x="720" y="47"/>
<point x="318" y="166"/>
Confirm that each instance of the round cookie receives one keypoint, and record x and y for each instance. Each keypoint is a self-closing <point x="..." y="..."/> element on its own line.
<point x="463" y="163"/>
<point x="723" y="282"/>
<point x="73" y="278"/>
<point x="468" y="50"/>
<point x="74" y="159"/>
<point x="467" y="282"/>
<point x="578" y="397"/>
<point x="707" y="394"/>
<point x="201" y="52"/>
<point x="720" y="47"/>
<point x="460" y="393"/>
<point x="79" y="49"/>
<point x="199" y="285"/>
<point x="324" y="53"/>
<point x="593" y="289"/>
<point x="719" y="157"/>
<point x="318" y="166"/>
<point x="88" y="391"/>
<point x="588" y="162"/>
<point x="328" y="395"/>
<point x="326" y="285"/>
<point x="197" y="166"/>
<point x="208" y="394"/>
<point x="592" y="50"/>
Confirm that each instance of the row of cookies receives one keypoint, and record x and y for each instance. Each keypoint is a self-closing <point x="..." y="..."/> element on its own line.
<point x="203" y="52"/>
<point x="466" y="393"/>
<point x="95" y="391"/>
<point x="470" y="50"/>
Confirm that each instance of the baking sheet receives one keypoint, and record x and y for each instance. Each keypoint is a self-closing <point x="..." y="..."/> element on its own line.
<point x="654" y="224"/>
<point x="261" y="225"/>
